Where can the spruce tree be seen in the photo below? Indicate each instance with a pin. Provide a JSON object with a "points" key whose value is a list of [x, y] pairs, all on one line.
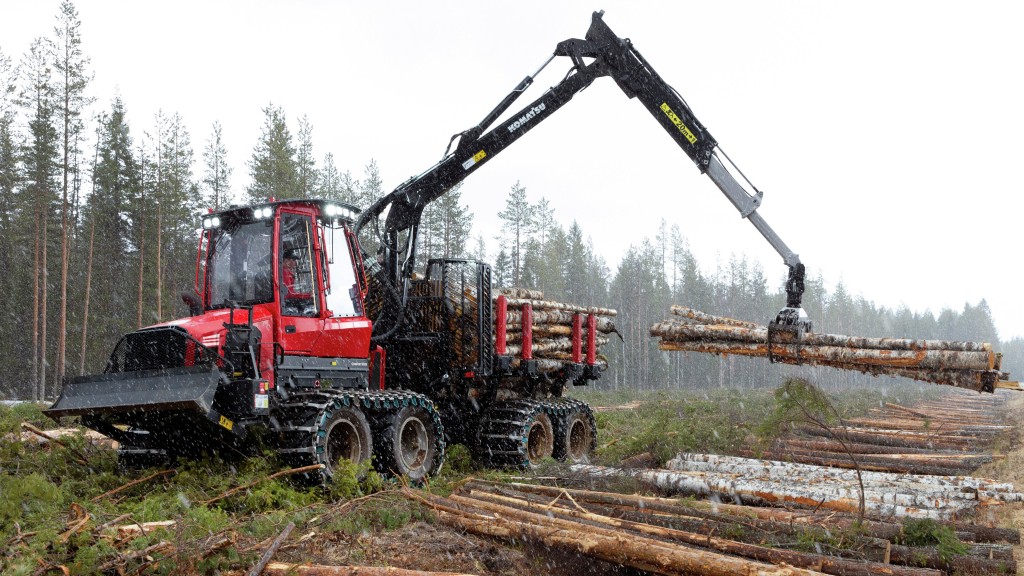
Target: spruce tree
{"points": [[273, 167], [11, 262], [72, 78], [217, 171], [305, 164], [117, 185]]}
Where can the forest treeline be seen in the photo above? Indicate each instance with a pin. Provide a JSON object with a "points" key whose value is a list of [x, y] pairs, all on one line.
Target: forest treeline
{"points": [[98, 230]]}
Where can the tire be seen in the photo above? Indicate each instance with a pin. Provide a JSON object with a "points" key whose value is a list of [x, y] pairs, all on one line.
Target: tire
{"points": [[540, 439], [409, 444], [575, 439], [342, 434]]}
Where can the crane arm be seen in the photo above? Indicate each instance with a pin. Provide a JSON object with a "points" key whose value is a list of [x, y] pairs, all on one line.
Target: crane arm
{"points": [[600, 53]]}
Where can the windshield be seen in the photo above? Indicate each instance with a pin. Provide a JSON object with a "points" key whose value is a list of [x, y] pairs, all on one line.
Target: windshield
{"points": [[239, 265]]}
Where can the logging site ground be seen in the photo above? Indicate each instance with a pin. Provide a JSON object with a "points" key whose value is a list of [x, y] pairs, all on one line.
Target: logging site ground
{"points": [[66, 508]]}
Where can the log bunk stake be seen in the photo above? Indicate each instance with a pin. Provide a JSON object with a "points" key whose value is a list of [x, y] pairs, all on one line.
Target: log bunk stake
{"points": [[550, 334]]}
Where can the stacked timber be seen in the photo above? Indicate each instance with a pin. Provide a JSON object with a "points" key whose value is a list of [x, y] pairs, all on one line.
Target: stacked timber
{"points": [[666, 536], [946, 436], [971, 365], [767, 482], [558, 332]]}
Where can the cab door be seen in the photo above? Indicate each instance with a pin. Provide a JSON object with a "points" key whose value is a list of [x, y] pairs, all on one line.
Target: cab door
{"points": [[298, 294]]}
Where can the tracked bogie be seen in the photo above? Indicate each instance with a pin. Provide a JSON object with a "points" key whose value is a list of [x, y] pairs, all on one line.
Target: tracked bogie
{"points": [[303, 434]]}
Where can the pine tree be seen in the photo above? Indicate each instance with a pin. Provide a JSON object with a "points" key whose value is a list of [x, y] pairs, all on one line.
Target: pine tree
{"points": [[480, 250], [40, 158], [305, 163], [178, 201], [72, 79], [455, 222], [217, 171], [273, 168], [329, 180], [371, 187], [516, 220]]}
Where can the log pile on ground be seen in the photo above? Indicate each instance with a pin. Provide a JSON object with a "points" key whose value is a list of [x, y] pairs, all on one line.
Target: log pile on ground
{"points": [[971, 365], [944, 437], [667, 536], [768, 482], [553, 325]]}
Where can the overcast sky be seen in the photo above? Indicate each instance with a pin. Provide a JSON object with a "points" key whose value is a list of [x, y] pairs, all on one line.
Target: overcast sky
{"points": [[885, 135]]}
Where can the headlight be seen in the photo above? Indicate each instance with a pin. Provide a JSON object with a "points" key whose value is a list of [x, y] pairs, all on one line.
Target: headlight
{"points": [[207, 223], [331, 210], [215, 221]]}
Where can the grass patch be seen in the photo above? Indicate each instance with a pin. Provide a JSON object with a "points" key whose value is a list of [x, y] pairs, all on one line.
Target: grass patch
{"points": [[43, 485]]}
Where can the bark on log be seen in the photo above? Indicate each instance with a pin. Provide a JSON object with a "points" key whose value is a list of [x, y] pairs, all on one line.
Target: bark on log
{"points": [[628, 549], [838, 460], [956, 485], [514, 320], [564, 306], [517, 292], [826, 564], [883, 438], [754, 343], [705, 318], [709, 509], [282, 569], [962, 378], [760, 493], [723, 328]]}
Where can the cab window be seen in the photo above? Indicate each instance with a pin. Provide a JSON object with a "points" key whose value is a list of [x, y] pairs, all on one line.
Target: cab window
{"points": [[343, 298], [298, 284]]}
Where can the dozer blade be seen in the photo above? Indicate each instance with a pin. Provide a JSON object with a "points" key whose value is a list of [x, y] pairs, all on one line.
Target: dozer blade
{"points": [[177, 389]]}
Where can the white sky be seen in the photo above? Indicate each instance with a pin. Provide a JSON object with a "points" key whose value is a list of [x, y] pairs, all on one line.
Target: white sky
{"points": [[886, 135]]}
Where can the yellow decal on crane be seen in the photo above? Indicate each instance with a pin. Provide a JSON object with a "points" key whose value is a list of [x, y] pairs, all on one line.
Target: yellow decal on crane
{"points": [[474, 160], [228, 424], [679, 123]]}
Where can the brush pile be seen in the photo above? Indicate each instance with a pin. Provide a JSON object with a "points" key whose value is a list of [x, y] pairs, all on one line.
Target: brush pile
{"points": [[555, 332], [971, 365]]}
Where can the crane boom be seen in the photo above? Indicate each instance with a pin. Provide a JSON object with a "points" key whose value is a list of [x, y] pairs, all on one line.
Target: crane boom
{"points": [[600, 53]]}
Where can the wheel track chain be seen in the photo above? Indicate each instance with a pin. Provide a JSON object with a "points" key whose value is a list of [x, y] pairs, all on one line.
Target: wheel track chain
{"points": [[503, 432], [302, 416], [559, 409]]}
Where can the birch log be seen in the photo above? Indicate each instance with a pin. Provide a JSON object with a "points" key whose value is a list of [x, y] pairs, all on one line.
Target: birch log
{"points": [[971, 365]]}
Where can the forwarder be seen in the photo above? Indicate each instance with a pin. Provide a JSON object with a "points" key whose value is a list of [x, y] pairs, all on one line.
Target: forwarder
{"points": [[305, 340]]}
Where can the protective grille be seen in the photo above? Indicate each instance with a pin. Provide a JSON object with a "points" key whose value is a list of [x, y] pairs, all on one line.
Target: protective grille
{"points": [[466, 310], [158, 349]]}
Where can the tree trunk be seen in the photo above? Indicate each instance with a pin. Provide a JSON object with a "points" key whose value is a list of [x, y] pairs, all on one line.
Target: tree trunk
{"points": [[159, 268], [142, 267], [42, 339], [88, 285], [35, 312]]}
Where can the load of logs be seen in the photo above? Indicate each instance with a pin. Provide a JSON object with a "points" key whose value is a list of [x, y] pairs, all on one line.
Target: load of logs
{"points": [[550, 333], [667, 536], [969, 365]]}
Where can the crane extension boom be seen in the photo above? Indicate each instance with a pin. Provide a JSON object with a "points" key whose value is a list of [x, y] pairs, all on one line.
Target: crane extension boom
{"points": [[608, 55]]}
